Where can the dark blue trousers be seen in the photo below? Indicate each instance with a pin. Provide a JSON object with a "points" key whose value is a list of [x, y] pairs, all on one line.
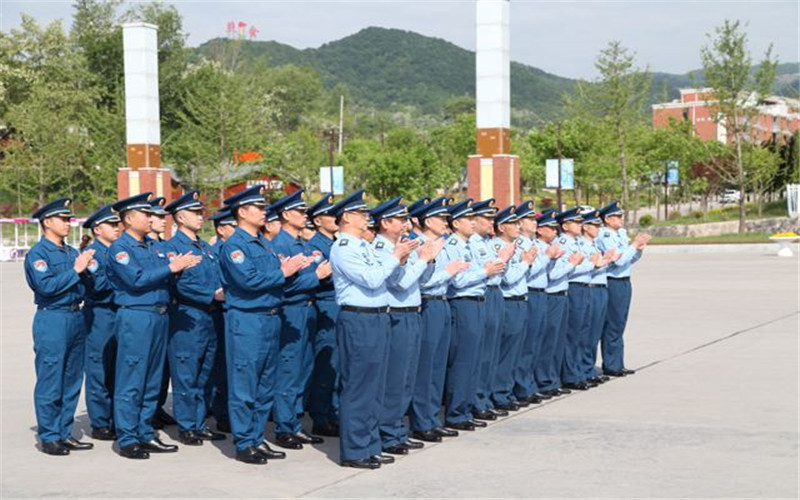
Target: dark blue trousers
{"points": [[59, 338], [468, 324], [191, 351], [489, 348], [512, 337], [323, 394], [363, 341], [524, 373], [619, 303], [432, 366], [217, 388], [252, 352], [548, 375], [141, 352], [101, 355], [401, 371], [296, 323], [599, 299], [578, 327]]}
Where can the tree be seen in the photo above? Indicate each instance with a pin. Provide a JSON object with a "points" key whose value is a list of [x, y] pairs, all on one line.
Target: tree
{"points": [[726, 64]]}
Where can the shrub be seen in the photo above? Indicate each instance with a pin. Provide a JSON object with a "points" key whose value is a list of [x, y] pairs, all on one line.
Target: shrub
{"points": [[696, 214], [674, 215], [646, 220]]}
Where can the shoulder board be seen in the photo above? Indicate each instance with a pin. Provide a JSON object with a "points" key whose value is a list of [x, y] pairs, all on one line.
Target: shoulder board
{"points": [[379, 245], [562, 240], [452, 242], [343, 243]]}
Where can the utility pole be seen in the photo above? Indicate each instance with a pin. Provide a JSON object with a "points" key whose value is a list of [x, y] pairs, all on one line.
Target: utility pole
{"points": [[558, 151], [331, 150], [666, 190], [341, 123]]}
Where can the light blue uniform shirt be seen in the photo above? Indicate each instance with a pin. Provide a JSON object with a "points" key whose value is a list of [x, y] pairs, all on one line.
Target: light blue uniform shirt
{"points": [[581, 272], [599, 274], [358, 276], [559, 271], [483, 251], [608, 239], [537, 273], [512, 280], [470, 283], [435, 279], [403, 283]]}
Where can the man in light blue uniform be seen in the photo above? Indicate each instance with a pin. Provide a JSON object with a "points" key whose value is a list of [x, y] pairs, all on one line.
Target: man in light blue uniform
{"points": [[466, 294], [140, 275], [559, 269], [613, 235], [580, 314], [196, 296], [391, 219], [413, 208], [525, 387], [101, 316], [217, 391], [298, 316], [514, 287], [598, 296], [323, 401], [362, 330], [482, 252], [58, 276], [252, 279], [426, 402]]}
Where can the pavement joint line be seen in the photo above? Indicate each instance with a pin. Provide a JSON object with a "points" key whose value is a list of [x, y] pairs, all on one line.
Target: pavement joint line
{"points": [[565, 396]]}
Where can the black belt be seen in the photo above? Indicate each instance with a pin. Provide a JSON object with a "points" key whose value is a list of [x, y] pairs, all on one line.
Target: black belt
{"points": [[414, 309], [620, 279], [517, 298], [308, 302], [158, 309], [557, 293], [198, 305], [110, 306], [367, 310], [434, 297], [595, 285], [259, 310], [493, 287], [69, 307], [540, 290], [470, 297]]}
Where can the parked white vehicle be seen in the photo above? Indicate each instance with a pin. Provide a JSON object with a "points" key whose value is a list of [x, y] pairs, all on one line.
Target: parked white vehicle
{"points": [[729, 196]]}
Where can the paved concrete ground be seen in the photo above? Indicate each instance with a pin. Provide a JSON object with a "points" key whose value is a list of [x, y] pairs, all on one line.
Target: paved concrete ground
{"points": [[712, 412]]}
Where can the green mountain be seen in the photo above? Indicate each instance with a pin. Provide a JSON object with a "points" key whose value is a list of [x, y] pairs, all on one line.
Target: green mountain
{"points": [[391, 69]]}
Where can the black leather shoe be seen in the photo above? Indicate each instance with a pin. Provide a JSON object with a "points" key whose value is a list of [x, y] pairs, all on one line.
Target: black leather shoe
{"points": [[563, 391], [189, 438], [628, 372], [522, 403], [447, 433], [612, 373], [478, 423], [484, 415], [413, 445], [364, 463], [56, 448], [155, 445], [544, 395], [591, 384], [428, 436], [508, 406], [209, 435], [577, 386], [134, 451], [269, 453], [251, 455], [307, 438], [224, 426], [162, 419], [396, 450], [288, 441], [596, 380], [104, 434], [499, 413], [532, 399], [382, 459], [463, 426], [328, 430], [75, 445]]}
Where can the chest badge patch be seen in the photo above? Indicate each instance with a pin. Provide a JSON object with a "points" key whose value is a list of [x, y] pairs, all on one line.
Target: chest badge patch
{"points": [[237, 256], [93, 265], [123, 258]]}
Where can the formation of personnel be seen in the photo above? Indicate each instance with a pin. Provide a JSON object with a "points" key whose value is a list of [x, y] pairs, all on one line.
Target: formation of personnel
{"points": [[391, 327]]}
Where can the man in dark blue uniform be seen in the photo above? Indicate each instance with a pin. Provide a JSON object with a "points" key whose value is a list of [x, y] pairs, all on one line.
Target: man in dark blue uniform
{"points": [[297, 317], [101, 312], [252, 278], [217, 389], [140, 277], [58, 276], [323, 401], [192, 346]]}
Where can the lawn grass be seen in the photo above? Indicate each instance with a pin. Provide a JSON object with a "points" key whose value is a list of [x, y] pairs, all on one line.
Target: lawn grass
{"points": [[729, 213], [707, 240]]}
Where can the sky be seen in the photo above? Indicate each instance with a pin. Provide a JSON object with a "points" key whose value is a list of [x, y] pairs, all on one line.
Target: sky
{"points": [[562, 37]]}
